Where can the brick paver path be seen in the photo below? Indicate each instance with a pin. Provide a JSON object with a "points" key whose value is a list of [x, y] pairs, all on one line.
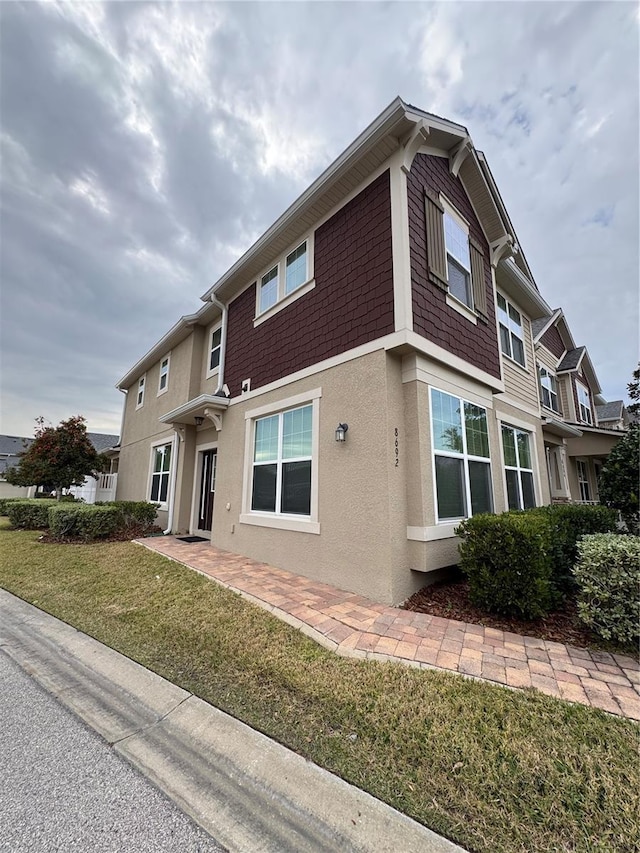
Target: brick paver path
{"points": [[355, 626]]}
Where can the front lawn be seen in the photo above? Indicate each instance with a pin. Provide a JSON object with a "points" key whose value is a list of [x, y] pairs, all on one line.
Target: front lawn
{"points": [[493, 769]]}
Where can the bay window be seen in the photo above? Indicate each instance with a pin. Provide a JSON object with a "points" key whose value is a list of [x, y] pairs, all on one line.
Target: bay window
{"points": [[461, 455], [518, 468]]}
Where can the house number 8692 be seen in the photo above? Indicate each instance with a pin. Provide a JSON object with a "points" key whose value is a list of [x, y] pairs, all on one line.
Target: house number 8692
{"points": [[396, 447]]}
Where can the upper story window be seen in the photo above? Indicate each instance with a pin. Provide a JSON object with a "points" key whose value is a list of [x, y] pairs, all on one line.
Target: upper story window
{"points": [[461, 457], [456, 238], [284, 278], [140, 395], [511, 332], [215, 342], [455, 260], [584, 403], [163, 380], [548, 389]]}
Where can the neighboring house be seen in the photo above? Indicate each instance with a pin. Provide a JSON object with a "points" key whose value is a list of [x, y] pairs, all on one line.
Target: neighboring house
{"points": [[102, 488], [361, 379], [579, 427]]}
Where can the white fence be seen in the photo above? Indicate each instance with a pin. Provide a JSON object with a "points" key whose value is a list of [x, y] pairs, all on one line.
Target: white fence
{"points": [[101, 489]]}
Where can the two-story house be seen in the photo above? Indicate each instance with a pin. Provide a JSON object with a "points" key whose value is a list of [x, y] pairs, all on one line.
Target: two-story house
{"points": [[579, 427], [360, 380]]}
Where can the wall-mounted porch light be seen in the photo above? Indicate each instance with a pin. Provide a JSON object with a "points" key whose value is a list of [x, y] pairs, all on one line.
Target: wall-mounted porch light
{"points": [[341, 431], [199, 420]]}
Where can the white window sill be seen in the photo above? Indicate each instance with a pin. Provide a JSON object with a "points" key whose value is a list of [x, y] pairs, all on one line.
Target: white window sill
{"points": [[163, 391], [445, 530], [461, 308], [288, 299], [159, 507], [552, 411], [214, 372], [281, 522]]}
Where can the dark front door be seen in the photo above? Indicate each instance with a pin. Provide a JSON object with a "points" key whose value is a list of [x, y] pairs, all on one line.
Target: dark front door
{"points": [[207, 488]]}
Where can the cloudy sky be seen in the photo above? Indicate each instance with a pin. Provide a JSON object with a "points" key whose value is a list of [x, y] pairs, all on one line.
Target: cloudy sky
{"points": [[145, 146]]}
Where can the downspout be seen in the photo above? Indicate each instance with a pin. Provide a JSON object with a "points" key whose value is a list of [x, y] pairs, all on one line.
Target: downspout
{"points": [[174, 476], [223, 340]]}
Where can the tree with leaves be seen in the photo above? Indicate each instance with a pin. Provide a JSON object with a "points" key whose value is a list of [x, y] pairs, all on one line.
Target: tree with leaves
{"points": [[58, 458], [619, 483]]}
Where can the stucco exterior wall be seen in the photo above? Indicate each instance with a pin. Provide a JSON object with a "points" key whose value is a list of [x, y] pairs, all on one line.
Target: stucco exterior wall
{"points": [[355, 547]]}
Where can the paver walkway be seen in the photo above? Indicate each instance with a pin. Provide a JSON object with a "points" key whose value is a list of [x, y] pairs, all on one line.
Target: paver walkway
{"points": [[355, 626]]}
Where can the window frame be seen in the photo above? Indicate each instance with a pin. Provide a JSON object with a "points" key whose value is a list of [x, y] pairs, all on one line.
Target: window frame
{"points": [[465, 456], [142, 384], [164, 442], [265, 518], [213, 371], [166, 359], [587, 407], [552, 390], [279, 265], [584, 484], [450, 211], [518, 468], [510, 330]]}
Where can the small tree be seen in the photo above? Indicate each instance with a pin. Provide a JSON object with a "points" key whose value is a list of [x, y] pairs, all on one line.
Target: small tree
{"points": [[619, 484], [58, 458]]}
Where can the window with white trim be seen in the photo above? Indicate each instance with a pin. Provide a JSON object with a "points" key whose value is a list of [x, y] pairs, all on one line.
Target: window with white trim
{"points": [[511, 332], [140, 394], [583, 480], [291, 272], [160, 473], [282, 463], [584, 403], [518, 468], [215, 343], [548, 389], [460, 441], [163, 380], [456, 239]]}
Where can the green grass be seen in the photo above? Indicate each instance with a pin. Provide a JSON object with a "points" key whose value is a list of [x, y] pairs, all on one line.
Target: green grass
{"points": [[493, 769]]}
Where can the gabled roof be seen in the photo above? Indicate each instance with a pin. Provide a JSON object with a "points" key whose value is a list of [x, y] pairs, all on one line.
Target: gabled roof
{"points": [[399, 126], [13, 446], [610, 411], [572, 359], [555, 318]]}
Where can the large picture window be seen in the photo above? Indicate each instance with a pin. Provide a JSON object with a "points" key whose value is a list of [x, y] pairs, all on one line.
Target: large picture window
{"points": [[518, 468], [461, 457], [282, 460], [160, 472]]}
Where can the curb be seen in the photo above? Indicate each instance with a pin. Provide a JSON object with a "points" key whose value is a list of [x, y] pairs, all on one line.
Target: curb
{"points": [[247, 791]]}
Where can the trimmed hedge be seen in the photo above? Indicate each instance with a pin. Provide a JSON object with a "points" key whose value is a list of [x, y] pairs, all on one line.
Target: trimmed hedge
{"points": [[567, 524], [608, 577], [5, 502], [96, 521], [30, 514], [506, 559]]}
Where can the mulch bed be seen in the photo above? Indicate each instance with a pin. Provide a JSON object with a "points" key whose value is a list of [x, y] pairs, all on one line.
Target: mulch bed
{"points": [[450, 600]]}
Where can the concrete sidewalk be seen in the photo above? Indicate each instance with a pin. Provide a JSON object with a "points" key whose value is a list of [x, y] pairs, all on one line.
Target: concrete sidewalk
{"points": [[355, 626], [248, 792]]}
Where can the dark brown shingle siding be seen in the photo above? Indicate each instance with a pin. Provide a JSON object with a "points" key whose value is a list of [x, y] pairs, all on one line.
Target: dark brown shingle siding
{"points": [[553, 342], [432, 317], [351, 304]]}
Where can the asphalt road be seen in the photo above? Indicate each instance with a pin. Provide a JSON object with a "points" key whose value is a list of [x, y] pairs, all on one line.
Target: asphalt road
{"points": [[62, 788]]}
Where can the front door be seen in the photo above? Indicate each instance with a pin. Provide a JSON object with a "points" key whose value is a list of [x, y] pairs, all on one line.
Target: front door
{"points": [[207, 489]]}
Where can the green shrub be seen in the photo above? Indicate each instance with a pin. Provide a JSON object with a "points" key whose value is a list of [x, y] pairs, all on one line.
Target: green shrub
{"points": [[567, 524], [85, 521], [30, 514], [137, 513], [506, 559], [5, 502], [608, 574]]}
